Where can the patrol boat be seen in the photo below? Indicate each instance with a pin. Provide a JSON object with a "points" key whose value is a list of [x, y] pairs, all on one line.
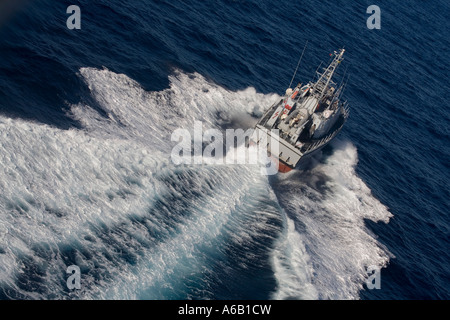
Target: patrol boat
{"points": [[305, 120]]}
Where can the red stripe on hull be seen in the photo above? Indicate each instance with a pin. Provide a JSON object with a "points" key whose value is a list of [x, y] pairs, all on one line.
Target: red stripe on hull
{"points": [[283, 168]]}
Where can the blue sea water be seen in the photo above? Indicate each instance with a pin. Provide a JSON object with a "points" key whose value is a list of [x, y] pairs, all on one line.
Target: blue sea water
{"points": [[86, 179]]}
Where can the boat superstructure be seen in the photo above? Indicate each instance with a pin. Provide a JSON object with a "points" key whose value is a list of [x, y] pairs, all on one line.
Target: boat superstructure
{"points": [[306, 119]]}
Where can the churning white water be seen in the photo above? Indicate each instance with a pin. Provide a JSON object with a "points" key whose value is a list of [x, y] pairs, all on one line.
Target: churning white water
{"points": [[108, 199]]}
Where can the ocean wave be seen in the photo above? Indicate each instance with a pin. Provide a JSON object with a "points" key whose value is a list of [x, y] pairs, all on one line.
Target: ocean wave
{"points": [[107, 198]]}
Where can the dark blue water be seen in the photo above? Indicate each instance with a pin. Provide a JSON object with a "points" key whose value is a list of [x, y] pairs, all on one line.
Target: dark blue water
{"points": [[86, 117]]}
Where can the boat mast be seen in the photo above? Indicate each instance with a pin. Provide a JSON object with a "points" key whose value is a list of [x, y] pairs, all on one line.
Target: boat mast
{"points": [[325, 78]]}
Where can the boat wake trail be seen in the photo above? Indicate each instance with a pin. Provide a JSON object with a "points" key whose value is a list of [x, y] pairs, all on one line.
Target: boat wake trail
{"points": [[325, 248], [108, 199]]}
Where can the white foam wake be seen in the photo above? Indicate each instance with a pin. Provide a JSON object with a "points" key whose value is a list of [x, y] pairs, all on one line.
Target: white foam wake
{"points": [[151, 117], [326, 242], [73, 193], [56, 183], [111, 187]]}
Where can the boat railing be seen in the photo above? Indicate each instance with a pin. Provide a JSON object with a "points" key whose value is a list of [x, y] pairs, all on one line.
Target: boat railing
{"points": [[327, 138], [268, 113]]}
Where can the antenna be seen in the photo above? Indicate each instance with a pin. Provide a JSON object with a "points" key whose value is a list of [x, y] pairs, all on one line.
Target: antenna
{"points": [[344, 86], [298, 64], [343, 77]]}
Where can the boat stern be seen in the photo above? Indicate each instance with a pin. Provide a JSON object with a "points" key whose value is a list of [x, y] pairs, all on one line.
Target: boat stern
{"points": [[282, 152]]}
